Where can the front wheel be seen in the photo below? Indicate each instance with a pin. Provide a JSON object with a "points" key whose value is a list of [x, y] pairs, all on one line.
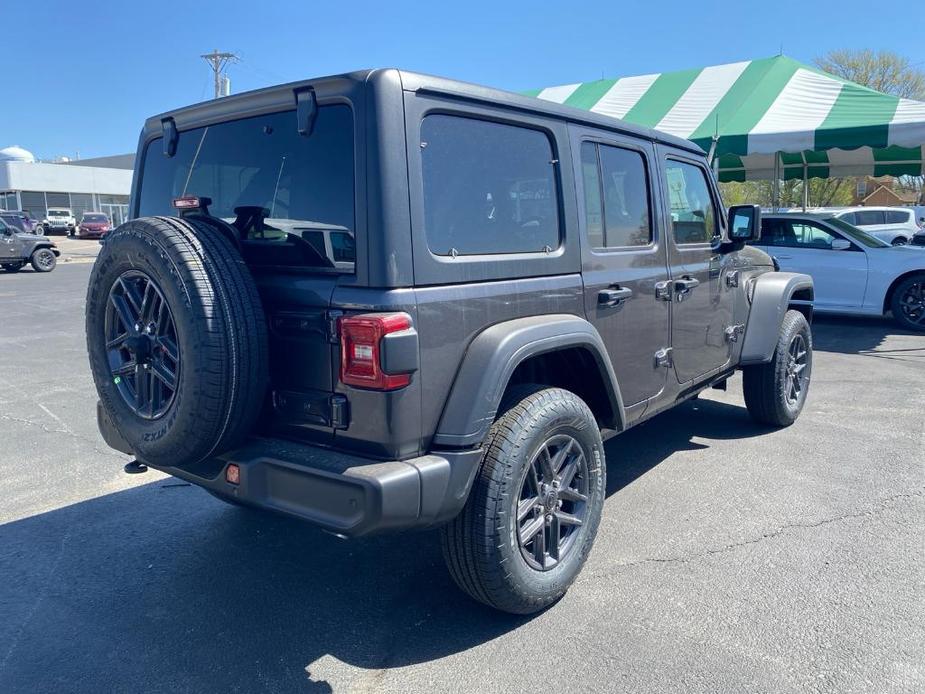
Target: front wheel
{"points": [[44, 260], [908, 303], [535, 505], [776, 392]]}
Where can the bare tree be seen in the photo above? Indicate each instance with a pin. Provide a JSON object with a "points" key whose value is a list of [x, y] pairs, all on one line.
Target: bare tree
{"points": [[884, 71]]}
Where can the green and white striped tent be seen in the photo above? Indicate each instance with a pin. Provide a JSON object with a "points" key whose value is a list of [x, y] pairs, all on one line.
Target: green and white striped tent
{"points": [[772, 118]]}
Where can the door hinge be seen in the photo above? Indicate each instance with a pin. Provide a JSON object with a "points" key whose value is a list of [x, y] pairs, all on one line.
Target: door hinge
{"points": [[333, 333], [733, 332], [663, 357], [663, 290]]}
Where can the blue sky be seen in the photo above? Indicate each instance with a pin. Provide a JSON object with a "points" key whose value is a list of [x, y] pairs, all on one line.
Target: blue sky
{"points": [[126, 60]]}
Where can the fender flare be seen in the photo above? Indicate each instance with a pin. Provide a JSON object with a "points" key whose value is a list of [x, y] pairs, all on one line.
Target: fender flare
{"points": [[771, 296], [490, 361]]}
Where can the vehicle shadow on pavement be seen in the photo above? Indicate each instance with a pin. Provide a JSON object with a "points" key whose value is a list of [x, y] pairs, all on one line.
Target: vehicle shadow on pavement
{"points": [[631, 455], [165, 586], [162, 588], [861, 335]]}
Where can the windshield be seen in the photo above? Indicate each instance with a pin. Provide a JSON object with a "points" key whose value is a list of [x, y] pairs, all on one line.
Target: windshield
{"points": [[855, 234], [95, 218], [278, 188], [58, 213]]}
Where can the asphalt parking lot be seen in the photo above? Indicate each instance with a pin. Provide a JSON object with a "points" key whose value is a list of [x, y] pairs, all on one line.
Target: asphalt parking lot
{"points": [[730, 557]]}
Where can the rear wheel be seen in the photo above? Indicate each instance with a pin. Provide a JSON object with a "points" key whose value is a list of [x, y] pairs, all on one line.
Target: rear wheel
{"points": [[177, 340], [899, 241], [908, 303], [535, 505], [776, 392], [44, 260]]}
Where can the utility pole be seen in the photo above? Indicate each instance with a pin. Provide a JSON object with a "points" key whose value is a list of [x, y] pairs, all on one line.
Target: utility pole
{"points": [[218, 61]]}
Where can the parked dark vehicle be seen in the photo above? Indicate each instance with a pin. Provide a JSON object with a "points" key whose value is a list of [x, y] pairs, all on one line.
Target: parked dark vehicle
{"points": [[93, 225], [512, 282], [18, 220], [18, 248]]}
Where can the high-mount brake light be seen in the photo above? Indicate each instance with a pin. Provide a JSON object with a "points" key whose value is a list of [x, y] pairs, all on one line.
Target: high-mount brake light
{"points": [[187, 203], [361, 350]]}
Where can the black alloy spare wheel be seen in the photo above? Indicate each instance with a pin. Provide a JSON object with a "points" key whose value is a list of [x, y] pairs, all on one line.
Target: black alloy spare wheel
{"points": [[177, 340], [141, 343]]}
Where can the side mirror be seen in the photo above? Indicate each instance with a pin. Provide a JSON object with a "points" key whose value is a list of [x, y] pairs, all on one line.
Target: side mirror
{"points": [[841, 244], [744, 223]]}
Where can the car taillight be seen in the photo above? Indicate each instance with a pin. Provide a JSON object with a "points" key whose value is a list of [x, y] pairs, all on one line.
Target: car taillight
{"points": [[361, 349]]}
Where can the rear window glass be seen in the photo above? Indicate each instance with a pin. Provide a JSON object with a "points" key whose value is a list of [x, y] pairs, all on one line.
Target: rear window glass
{"points": [[488, 187], [301, 187], [618, 177]]}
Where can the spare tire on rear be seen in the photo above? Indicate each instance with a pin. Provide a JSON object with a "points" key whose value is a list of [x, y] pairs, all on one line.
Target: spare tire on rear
{"points": [[177, 339]]}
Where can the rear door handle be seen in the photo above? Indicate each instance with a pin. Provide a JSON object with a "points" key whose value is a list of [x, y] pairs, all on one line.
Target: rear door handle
{"points": [[613, 296], [685, 284]]}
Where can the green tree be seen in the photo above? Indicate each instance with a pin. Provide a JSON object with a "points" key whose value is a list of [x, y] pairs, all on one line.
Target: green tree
{"points": [[884, 71]]}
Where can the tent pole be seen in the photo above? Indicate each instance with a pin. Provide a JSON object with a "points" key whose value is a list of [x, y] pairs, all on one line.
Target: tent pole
{"points": [[805, 182], [775, 190]]}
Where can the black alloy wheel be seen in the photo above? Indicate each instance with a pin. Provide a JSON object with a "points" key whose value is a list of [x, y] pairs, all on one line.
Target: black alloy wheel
{"points": [[141, 345], [44, 260], [553, 502], [912, 302], [796, 368]]}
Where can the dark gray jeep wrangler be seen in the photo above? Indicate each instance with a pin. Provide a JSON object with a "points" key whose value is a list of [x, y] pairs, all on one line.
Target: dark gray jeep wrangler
{"points": [[18, 248], [383, 300]]}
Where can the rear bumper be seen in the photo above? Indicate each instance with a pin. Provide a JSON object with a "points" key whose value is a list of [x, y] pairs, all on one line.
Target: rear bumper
{"points": [[346, 494]]}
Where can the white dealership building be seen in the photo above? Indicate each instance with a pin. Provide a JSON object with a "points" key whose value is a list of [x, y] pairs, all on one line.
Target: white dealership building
{"points": [[86, 185]]}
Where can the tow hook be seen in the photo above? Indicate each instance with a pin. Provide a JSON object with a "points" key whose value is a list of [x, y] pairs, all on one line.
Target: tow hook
{"points": [[135, 468]]}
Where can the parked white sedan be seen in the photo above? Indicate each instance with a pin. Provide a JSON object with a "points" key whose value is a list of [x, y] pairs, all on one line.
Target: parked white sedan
{"points": [[853, 272]]}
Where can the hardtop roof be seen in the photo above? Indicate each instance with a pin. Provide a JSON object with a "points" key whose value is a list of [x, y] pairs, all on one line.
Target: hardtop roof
{"points": [[419, 82]]}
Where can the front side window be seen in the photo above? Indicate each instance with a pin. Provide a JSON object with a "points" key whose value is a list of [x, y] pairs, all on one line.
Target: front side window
{"points": [[616, 196], [282, 191], [693, 217], [488, 187], [795, 234]]}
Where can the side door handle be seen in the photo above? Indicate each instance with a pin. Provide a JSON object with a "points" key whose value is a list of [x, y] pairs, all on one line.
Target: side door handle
{"points": [[784, 257], [683, 286], [613, 296]]}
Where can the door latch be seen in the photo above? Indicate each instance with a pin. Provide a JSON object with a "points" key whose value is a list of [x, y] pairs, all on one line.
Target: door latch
{"points": [[663, 290], [663, 357], [732, 278]]}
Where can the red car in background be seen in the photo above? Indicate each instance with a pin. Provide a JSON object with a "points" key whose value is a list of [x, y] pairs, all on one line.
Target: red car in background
{"points": [[93, 225]]}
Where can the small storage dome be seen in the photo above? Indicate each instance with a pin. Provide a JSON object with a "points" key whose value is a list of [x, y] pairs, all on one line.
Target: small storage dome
{"points": [[16, 153]]}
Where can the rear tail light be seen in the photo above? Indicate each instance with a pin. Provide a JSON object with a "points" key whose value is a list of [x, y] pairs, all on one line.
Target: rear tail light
{"points": [[361, 350]]}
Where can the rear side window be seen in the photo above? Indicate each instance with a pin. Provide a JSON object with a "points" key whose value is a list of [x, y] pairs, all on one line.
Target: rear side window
{"points": [[305, 184], [897, 217], [488, 187], [616, 196], [693, 217], [868, 217]]}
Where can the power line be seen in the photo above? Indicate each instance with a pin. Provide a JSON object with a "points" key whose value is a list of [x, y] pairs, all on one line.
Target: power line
{"points": [[218, 61]]}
